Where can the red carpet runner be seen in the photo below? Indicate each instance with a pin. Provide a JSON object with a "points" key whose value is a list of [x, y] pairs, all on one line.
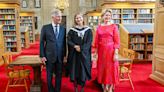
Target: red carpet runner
{"points": [[140, 77]]}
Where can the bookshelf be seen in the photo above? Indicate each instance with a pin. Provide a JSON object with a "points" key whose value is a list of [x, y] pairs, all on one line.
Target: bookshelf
{"points": [[125, 16], [1, 44], [93, 18], [9, 18], [25, 41], [27, 19], [138, 37], [129, 12]]}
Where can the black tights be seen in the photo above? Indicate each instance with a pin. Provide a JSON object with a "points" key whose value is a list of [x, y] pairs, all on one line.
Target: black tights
{"points": [[78, 82]]}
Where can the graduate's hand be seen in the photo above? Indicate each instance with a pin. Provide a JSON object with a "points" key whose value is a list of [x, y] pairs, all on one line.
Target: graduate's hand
{"points": [[43, 59], [77, 47]]}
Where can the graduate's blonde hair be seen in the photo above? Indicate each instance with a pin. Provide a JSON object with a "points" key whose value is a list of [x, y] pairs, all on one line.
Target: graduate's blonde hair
{"points": [[75, 18]]}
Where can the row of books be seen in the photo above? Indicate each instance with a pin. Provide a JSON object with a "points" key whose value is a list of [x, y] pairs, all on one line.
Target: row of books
{"points": [[129, 21], [150, 38], [92, 24], [114, 11], [30, 28], [137, 46], [25, 17], [128, 16], [131, 11], [140, 56], [10, 39], [11, 44], [22, 45], [145, 16], [145, 11], [31, 38], [7, 10], [26, 24], [137, 39], [8, 22], [26, 21], [149, 56], [150, 47], [116, 16], [7, 16], [22, 36], [22, 40], [94, 17], [95, 20], [11, 49], [145, 21], [9, 33], [7, 27], [116, 21]]}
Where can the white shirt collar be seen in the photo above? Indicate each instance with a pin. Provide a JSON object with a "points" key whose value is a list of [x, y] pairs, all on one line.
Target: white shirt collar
{"points": [[53, 24]]}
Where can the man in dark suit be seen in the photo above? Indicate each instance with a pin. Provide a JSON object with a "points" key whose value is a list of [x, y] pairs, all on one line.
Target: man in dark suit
{"points": [[53, 49]]}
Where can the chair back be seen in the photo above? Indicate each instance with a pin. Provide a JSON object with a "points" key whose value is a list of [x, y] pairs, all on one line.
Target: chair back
{"points": [[7, 58], [128, 53]]}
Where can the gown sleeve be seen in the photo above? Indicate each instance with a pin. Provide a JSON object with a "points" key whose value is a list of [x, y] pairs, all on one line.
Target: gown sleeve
{"points": [[116, 37]]}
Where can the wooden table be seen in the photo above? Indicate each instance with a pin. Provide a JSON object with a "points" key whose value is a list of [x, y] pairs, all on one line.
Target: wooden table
{"points": [[35, 63]]}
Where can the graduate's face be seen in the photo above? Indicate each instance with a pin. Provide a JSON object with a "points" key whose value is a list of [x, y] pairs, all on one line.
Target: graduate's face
{"points": [[107, 16], [79, 19], [57, 18]]}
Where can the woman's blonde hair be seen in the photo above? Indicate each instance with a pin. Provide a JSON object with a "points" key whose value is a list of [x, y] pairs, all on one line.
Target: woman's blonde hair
{"points": [[105, 11]]}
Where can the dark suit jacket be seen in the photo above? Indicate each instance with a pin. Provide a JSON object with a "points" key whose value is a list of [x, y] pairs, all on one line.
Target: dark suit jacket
{"points": [[50, 47]]}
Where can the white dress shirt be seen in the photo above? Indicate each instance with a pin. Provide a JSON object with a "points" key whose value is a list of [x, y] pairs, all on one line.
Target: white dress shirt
{"points": [[55, 26]]}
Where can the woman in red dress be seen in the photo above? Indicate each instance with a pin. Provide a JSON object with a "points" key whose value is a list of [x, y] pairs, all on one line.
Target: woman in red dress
{"points": [[107, 42]]}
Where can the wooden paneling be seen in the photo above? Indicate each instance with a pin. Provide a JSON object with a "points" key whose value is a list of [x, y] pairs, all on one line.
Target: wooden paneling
{"points": [[158, 52], [1, 44]]}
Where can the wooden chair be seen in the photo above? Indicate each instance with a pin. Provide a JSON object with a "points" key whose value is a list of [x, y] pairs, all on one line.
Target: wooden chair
{"points": [[16, 74], [126, 68]]}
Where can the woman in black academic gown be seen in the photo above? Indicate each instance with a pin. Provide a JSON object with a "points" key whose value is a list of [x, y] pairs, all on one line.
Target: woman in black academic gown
{"points": [[79, 53]]}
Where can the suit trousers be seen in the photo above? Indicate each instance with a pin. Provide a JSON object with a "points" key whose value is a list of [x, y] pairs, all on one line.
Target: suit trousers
{"points": [[57, 69]]}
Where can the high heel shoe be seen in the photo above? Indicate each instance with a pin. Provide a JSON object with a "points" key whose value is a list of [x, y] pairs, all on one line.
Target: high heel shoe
{"points": [[110, 89], [76, 89], [82, 89]]}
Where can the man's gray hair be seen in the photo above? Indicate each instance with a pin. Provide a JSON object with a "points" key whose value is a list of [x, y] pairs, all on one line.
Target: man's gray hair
{"points": [[55, 12]]}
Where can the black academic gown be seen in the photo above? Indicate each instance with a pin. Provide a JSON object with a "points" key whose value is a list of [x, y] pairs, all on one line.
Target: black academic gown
{"points": [[79, 63]]}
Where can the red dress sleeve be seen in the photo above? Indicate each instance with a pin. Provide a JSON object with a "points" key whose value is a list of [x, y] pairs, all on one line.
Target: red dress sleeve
{"points": [[116, 37]]}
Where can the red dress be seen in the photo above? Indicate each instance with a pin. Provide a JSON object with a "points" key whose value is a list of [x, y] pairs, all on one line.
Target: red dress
{"points": [[106, 41]]}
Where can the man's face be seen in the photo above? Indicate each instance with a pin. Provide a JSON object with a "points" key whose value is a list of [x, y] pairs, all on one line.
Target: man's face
{"points": [[57, 18]]}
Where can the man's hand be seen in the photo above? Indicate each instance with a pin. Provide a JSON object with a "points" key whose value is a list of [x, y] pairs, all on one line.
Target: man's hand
{"points": [[43, 59], [65, 59]]}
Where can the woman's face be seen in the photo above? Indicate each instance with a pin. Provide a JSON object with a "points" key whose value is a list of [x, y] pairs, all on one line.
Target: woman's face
{"points": [[107, 16], [79, 19]]}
